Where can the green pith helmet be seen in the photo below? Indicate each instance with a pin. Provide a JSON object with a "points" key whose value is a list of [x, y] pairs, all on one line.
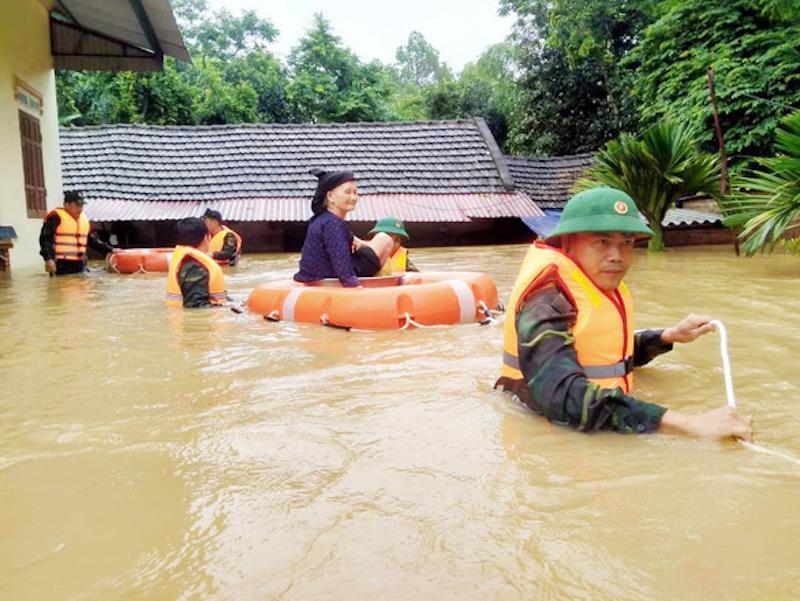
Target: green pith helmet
{"points": [[600, 210], [390, 225]]}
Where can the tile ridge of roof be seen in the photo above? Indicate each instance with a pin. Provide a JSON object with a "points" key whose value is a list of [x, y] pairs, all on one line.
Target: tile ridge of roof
{"points": [[498, 158]]}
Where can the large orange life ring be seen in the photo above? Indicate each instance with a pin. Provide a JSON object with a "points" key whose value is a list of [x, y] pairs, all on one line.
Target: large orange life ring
{"points": [[139, 260], [385, 303]]}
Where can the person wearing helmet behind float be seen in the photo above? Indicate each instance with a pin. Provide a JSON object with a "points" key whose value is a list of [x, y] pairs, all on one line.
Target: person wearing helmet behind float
{"points": [[225, 245], [398, 261], [330, 250], [569, 348], [194, 279]]}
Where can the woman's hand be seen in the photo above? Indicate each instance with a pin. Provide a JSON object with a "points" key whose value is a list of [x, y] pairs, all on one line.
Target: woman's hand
{"points": [[357, 243], [688, 329]]}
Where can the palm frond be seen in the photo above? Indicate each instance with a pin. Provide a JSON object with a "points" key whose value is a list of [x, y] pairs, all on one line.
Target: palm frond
{"points": [[766, 202]]}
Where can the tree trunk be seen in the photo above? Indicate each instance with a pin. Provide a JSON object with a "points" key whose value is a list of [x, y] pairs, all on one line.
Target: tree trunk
{"points": [[656, 243]]}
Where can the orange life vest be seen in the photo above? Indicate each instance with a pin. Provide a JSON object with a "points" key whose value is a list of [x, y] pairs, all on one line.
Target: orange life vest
{"points": [[216, 280], [218, 241], [603, 332], [72, 236], [397, 263]]}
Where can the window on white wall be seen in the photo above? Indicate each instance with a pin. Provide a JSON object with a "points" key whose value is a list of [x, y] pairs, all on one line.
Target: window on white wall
{"points": [[35, 191]]}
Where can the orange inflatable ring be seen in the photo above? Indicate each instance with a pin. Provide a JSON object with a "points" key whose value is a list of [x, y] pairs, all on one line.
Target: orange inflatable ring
{"points": [[385, 303], [139, 260]]}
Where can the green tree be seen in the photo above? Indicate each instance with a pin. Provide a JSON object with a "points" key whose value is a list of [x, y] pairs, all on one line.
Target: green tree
{"points": [[573, 95], [232, 79], [418, 63], [217, 102], [752, 46], [329, 83], [489, 89], [767, 200], [560, 109], [268, 78], [221, 34], [655, 171]]}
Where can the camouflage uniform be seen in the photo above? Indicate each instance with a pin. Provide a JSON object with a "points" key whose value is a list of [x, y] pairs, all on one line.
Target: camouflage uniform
{"points": [[555, 385]]}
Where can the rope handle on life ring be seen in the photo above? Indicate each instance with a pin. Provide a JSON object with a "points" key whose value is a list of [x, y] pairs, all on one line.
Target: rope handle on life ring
{"points": [[491, 315], [111, 263], [273, 316], [325, 320]]}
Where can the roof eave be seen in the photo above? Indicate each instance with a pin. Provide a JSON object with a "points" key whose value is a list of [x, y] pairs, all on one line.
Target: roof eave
{"points": [[76, 46]]}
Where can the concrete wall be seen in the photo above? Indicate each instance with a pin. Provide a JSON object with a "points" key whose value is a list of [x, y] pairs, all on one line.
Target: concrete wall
{"points": [[699, 236], [25, 54]]}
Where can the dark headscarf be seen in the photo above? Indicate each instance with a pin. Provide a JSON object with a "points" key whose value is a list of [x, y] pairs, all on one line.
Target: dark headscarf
{"points": [[328, 180]]}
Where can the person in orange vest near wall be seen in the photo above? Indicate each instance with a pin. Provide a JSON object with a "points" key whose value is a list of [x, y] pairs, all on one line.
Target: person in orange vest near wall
{"points": [[194, 279], [569, 348], [65, 235], [398, 260], [225, 245]]}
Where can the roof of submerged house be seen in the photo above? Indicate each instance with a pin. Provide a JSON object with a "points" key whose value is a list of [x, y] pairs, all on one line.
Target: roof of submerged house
{"points": [[423, 171], [548, 182]]}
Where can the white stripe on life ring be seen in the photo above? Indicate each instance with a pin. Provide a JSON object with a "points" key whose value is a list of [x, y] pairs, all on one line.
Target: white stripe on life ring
{"points": [[289, 302], [466, 300]]}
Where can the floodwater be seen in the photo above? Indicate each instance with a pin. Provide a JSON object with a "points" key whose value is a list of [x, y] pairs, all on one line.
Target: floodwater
{"points": [[152, 453]]}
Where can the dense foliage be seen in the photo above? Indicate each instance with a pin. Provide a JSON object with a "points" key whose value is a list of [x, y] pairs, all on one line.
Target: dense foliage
{"points": [[753, 48], [573, 96], [766, 203]]}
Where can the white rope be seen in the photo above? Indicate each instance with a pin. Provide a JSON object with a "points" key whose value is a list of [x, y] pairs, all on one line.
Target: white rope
{"points": [[492, 315], [410, 322], [726, 362], [726, 367], [112, 262]]}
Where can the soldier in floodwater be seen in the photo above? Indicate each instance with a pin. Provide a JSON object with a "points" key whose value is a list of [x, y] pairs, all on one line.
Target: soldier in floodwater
{"points": [[569, 345]]}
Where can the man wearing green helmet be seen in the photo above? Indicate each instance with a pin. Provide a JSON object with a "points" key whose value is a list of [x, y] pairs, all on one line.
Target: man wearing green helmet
{"points": [[398, 259], [569, 347]]}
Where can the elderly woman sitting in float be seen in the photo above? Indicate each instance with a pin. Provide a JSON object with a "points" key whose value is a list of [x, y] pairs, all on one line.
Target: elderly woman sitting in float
{"points": [[327, 289], [330, 250]]}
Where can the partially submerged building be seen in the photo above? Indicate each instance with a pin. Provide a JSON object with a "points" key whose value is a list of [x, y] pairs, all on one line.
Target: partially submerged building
{"points": [[447, 180], [36, 37]]}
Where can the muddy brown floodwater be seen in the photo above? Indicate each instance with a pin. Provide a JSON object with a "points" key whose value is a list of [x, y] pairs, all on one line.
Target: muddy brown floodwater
{"points": [[150, 453]]}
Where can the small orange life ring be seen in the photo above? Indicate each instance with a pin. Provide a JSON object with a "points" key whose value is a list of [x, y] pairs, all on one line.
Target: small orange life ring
{"points": [[385, 303], [139, 260]]}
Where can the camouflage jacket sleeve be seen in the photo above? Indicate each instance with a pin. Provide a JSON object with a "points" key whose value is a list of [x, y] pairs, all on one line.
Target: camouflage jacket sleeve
{"points": [[228, 251], [193, 280], [558, 388]]}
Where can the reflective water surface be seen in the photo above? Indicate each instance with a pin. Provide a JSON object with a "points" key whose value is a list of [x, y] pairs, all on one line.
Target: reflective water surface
{"points": [[150, 453]]}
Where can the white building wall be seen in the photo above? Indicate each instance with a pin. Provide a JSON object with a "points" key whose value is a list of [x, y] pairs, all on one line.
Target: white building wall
{"points": [[25, 54]]}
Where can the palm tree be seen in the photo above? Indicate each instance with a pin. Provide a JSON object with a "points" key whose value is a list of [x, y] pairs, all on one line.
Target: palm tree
{"points": [[655, 171], [767, 201]]}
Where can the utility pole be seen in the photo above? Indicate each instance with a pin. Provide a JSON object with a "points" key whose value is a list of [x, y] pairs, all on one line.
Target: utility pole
{"points": [[723, 154]]}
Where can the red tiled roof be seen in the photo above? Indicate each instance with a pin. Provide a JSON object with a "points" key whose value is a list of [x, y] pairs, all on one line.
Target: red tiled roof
{"points": [[407, 207]]}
